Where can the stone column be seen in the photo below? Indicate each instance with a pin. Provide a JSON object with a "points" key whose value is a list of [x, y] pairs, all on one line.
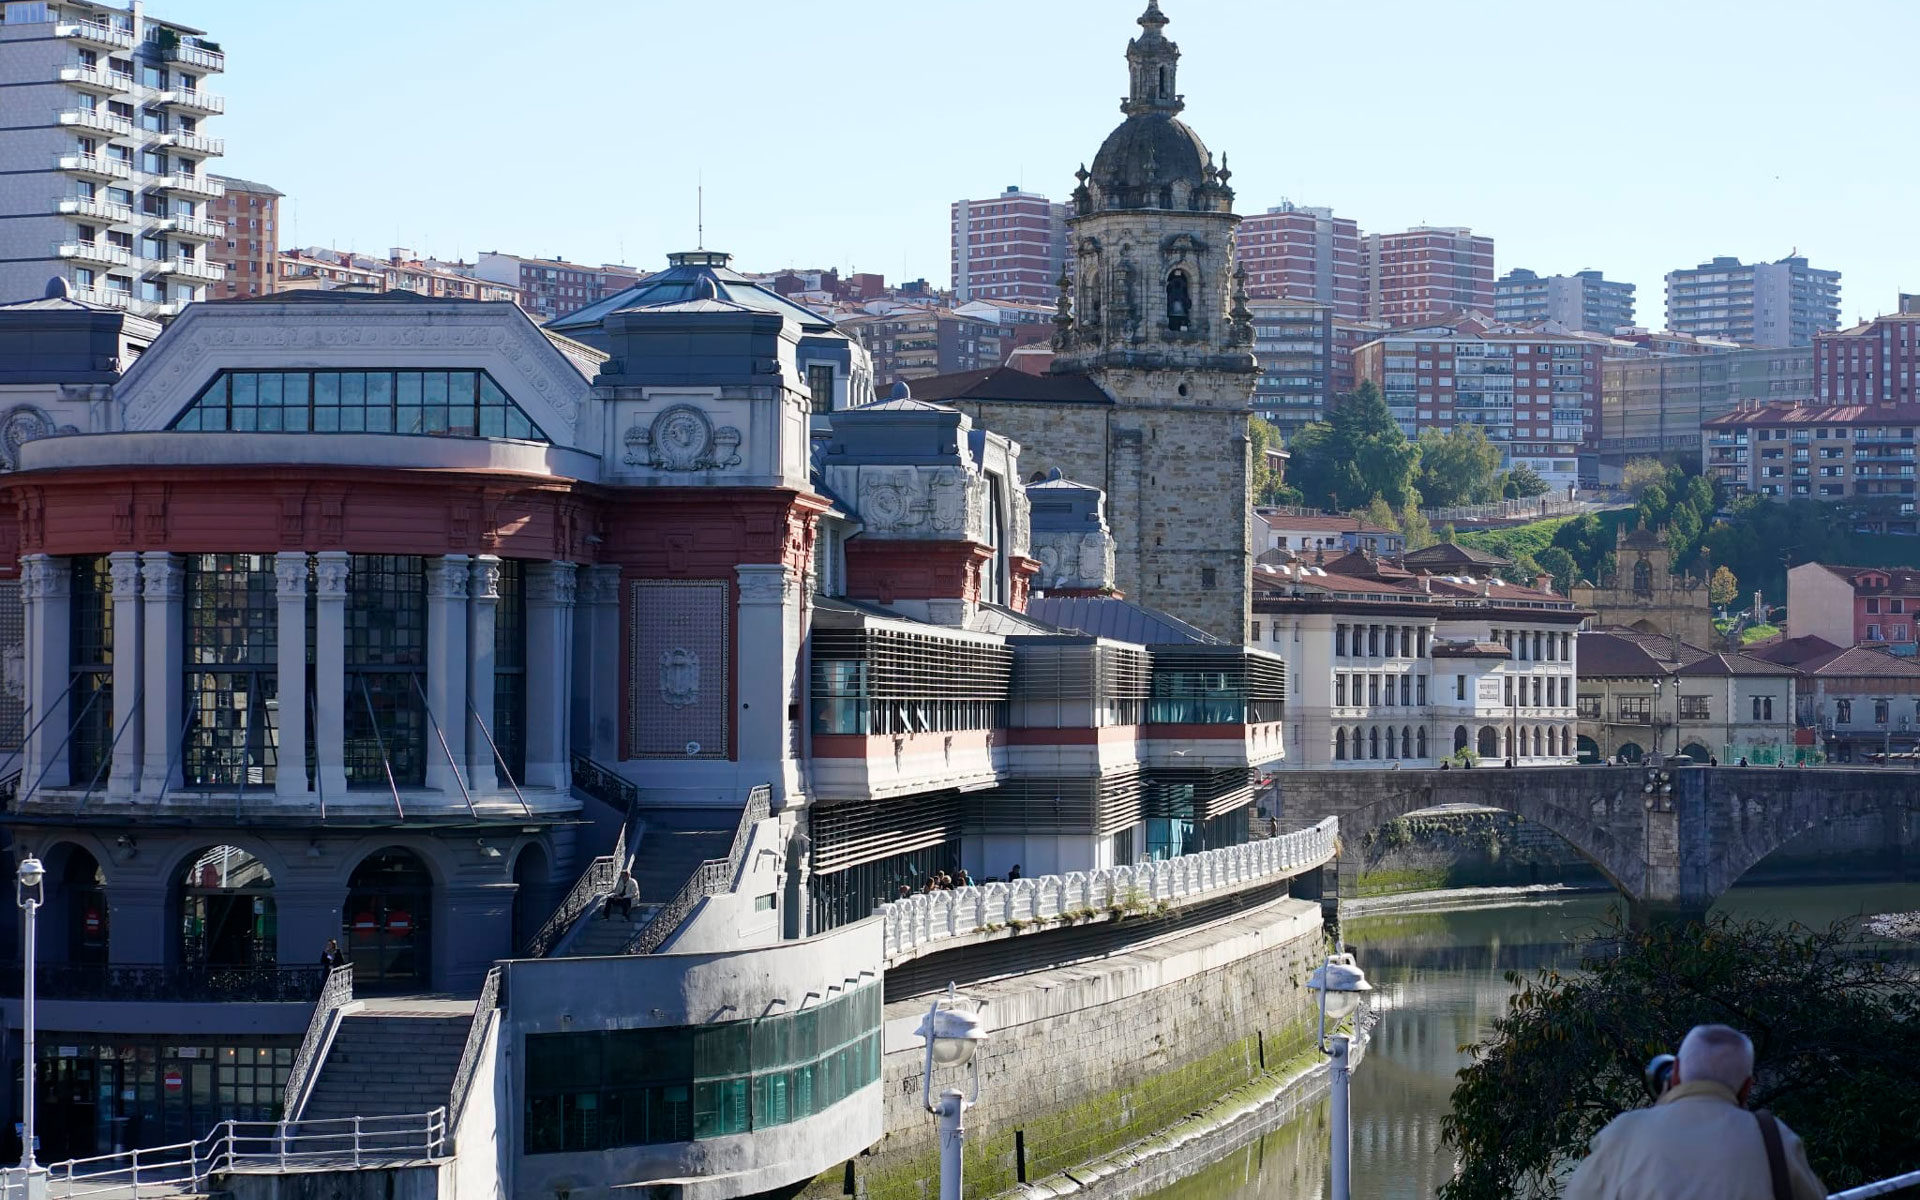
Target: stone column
{"points": [[46, 594], [483, 603], [124, 780], [597, 653], [447, 671], [550, 594], [766, 656], [330, 570], [290, 763], [138, 929], [164, 652]]}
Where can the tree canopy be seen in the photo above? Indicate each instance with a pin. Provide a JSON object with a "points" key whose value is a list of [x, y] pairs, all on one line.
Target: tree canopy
{"points": [[1356, 454], [1457, 467], [1265, 482], [1836, 1034]]}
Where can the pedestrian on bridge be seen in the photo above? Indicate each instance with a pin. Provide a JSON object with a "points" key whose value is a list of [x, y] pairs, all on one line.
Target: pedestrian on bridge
{"points": [[1697, 1141]]}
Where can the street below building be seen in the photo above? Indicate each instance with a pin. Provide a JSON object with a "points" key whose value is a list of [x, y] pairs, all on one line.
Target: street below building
{"points": [[1440, 980]]}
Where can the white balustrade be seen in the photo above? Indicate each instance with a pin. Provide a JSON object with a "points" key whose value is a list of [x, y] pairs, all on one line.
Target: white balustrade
{"points": [[916, 922]]}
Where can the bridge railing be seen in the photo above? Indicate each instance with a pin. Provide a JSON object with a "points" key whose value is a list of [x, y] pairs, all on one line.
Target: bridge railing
{"points": [[916, 923]]}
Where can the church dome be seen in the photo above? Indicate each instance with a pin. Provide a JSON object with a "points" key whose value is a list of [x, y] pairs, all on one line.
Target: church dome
{"points": [[1152, 150], [1153, 160]]}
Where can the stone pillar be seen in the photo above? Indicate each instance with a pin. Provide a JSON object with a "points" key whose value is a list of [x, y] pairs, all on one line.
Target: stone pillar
{"points": [[483, 603], [290, 762], [138, 929], [307, 911], [330, 570], [767, 655], [596, 666], [550, 594], [124, 779], [447, 671], [164, 653], [46, 594]]}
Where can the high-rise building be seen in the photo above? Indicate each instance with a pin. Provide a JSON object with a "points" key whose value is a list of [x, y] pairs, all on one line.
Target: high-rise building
{"points": [[553, 287], [250, 213], [1821, 452], [1297, 253], [1656, 391], [1012, 247], [1583, 300], [106, 156], [1766, 304], [1875, 362], [1424, 274], [1293, 343]]}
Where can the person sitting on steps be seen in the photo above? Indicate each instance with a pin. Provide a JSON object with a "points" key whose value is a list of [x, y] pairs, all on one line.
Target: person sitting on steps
{"points": [[625, 891]]}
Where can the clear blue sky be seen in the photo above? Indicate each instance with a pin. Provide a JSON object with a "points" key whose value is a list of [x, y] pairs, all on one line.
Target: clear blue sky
{"points": [[1633, 137]]}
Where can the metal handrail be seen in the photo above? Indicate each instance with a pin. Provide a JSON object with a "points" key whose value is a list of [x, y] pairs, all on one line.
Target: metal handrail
{"points": [[470, 1055], [710, 878], [334, 994], [452, 765], [596, 881], [380, 744], [499, 759], [1899, 1183], [184, 1167]]}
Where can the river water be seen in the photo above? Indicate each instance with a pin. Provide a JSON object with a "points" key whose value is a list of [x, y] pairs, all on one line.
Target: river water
{"points": [[1440, 982]]}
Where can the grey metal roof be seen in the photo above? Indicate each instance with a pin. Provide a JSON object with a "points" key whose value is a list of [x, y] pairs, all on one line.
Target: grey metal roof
{"points": [[1120, 620]]}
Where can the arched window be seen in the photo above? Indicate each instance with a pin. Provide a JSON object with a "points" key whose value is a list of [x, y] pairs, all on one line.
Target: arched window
{"points": [[1460, 741], [1489, 742], [1163, 83], [1420, 742], [1642, 578], [1406, 742], [1179, 301], [387, 921], [226, 909], [1373, 742], [1553, 741], [1537, 741], [1340, 744], [1566, 739]]}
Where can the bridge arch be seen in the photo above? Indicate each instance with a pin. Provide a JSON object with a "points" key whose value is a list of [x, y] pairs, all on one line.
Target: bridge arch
{"points": [[1749, 823]]}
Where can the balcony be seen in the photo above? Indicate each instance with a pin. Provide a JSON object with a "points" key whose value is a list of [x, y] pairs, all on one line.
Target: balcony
{"points": [[199, 269], [196, 143], [99, 210], [194, 100], [93, 166], [195, 227], [193, 185], [104, 297], [98, 80], [193, 56], [147, 984], [95, 33], [94, 254], [99, 120]]}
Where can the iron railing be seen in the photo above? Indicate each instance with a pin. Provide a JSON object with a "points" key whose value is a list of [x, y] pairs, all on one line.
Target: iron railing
{"points": [[476, 1041], [337, 992], [142, 982], [710, 878], [596, 881], [604, 785], [185, 1168]]}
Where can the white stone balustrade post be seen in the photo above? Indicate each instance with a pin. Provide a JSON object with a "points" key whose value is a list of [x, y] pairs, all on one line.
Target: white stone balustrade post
{"points": [[124, 780], [290, 681]]}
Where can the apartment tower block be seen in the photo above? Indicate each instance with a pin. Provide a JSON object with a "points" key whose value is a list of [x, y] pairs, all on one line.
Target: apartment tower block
{"points": [[1012, 247]]}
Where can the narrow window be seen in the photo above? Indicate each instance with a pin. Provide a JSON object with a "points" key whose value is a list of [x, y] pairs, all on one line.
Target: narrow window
{"points": [[1179, 301]]}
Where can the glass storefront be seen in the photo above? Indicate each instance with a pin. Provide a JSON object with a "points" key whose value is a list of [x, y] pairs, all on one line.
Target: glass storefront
{"points": [[99, 1096], [386, 925], [227, 913]]}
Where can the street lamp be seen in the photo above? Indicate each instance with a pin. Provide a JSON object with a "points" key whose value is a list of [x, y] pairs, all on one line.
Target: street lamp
{"points": [[1658, 788], [952, 1035], [1341, 984], [28, 893]]}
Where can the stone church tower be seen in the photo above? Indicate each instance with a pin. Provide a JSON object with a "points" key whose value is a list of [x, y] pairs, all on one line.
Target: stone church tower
{"points": [[1150, 392]]}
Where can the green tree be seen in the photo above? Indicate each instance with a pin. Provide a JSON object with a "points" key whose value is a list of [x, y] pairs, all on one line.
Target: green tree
{"points": [[1378, 514], [1836, 1036], [1723, 588], [1642, 473], [1263, 436], [1457, 467], [1415, 528], [1558, 563], [1525, 482], [1356, 454]]}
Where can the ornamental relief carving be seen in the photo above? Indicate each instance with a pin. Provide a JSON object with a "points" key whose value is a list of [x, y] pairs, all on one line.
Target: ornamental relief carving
{"points": [[937, 502], [25, 423], [682, 438], [679, 677]]}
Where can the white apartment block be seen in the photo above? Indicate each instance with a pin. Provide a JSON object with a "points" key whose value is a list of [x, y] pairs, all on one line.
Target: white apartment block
{"points": [[105, 155], [1390, 668]]}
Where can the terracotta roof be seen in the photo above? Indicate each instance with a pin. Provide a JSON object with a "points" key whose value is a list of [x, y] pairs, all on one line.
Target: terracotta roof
{"points": [[1661, 646], [1794, 652], [1733, 664], [1817, 414], [1323, 523], [1903, 580], [1862, 661], [1601, 654], [1005, 383]]}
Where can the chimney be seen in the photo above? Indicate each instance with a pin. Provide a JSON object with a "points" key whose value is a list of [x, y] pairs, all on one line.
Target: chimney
{"points": [[1544, 583]]}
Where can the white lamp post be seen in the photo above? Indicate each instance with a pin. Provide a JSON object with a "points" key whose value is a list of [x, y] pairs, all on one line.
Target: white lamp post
{"points": [[952, 1035], [1341, 983], [28, 895]]}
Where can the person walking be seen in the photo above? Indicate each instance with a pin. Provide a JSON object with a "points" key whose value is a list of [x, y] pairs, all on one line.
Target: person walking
{"points": [[626, 890], [1697, 1141]]}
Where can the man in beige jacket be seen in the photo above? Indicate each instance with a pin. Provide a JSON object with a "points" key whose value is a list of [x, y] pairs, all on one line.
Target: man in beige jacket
{"points": [[1698, 1141]]}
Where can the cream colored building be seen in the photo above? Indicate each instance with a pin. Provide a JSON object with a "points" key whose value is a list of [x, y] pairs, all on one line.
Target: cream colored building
{"points": [[1641, 694]]}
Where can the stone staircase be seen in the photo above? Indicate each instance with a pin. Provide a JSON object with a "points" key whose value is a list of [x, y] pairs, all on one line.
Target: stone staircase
{"points": [[391, 1058], [672, 843]]}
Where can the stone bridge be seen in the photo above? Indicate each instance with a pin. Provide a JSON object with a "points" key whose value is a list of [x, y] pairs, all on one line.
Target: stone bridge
{"points": [[1675, 849]]}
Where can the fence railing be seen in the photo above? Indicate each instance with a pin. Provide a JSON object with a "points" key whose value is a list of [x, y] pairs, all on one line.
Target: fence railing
{"points": [[337, 992], [185, 1168], [476, 1041], [603, 785], [710, 878], [917, 921], [596, 881], [153, 982]]}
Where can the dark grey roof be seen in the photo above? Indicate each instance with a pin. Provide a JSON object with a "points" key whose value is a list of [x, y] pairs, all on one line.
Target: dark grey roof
{"points": [[1005, 383], [691, 275], [1151, 150], [236, 184], [1120, 620], [1443, 553]]}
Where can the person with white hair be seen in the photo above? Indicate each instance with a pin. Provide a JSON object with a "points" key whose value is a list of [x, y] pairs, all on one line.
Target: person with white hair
{"points": [[1697, 1141]]}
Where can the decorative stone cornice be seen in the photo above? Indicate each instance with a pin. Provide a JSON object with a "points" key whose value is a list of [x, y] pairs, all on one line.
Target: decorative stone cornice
{"points": [[290, 575], [447, 577], [484, 581], [764, 584], [330, 571], [599, 585], [162, 576], [552, 583], [123, 567]]}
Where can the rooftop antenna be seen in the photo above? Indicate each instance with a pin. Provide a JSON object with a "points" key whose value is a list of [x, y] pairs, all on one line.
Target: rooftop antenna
{"points": [[700, 212]]}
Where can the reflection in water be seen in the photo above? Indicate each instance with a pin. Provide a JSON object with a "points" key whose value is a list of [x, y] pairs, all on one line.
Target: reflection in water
{"points": [[1440, 981]]}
